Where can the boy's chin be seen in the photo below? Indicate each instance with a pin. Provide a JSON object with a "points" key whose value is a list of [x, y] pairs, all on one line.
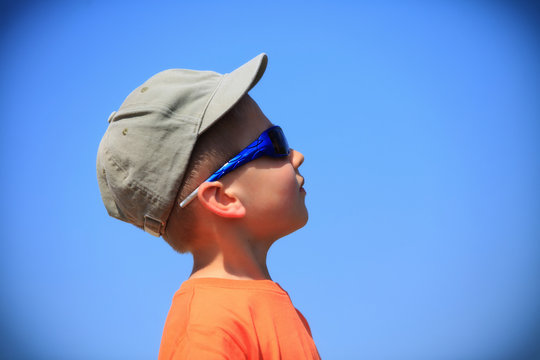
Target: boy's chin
{"points": [[300, 223], [306, 218]]}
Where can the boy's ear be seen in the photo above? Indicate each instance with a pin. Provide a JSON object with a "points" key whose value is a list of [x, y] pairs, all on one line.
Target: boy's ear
{"points": [[213, 197]]}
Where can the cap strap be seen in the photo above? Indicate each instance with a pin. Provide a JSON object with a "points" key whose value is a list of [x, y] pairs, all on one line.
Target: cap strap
{"points": [[153, 226]]}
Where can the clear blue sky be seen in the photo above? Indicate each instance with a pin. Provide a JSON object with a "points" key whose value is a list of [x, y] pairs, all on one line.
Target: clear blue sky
{"points": [[419, 121]]}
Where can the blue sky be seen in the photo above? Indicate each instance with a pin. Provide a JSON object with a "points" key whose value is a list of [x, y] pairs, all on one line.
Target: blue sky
{"points": [[419, 121]]}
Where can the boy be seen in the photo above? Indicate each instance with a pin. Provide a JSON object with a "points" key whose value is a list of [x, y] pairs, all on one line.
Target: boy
{"points": [[156, 169]]}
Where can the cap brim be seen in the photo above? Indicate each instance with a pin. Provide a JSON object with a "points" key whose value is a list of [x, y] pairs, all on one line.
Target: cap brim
{"points": [[231, 89]]}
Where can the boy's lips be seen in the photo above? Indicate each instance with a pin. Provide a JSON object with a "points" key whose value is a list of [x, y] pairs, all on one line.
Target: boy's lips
{"points": [[302, 185]]}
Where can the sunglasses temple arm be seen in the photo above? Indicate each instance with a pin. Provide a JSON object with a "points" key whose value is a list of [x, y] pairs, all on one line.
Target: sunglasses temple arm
{"points": [[232, 164], [190, 198]]}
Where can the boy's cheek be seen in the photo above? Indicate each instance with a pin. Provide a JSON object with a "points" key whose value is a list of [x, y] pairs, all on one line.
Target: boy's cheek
{"points": [[270, 188]]}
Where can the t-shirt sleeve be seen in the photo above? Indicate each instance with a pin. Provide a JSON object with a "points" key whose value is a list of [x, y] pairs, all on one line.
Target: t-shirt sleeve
{"points": [[209, 344]]}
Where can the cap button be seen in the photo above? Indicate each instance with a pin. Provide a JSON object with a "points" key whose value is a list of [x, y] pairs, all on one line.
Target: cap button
{"points": [[111, 116]]}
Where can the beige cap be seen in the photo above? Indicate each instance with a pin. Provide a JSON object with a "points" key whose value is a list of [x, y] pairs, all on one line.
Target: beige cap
{"points": [[144, 153]]}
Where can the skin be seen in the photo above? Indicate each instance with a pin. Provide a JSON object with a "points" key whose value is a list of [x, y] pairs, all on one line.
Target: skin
{"points": [[247, 210]]}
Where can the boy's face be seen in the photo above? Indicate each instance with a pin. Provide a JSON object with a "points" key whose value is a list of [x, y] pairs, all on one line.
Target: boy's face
{"points": [[269, 188]]}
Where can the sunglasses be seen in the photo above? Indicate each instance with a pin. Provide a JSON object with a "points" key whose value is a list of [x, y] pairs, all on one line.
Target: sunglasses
{"points": [[271, 142]]}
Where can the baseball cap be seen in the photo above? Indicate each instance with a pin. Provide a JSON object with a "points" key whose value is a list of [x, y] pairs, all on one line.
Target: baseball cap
{"points": [[143, 156]]}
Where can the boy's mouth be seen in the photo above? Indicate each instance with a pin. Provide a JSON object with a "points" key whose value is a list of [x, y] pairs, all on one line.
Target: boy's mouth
{"points": [[302, 185]]}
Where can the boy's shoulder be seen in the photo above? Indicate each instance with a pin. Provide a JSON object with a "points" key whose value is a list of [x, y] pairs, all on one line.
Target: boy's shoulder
{"points": [[219, 314], [204, 296], [234, 306], [235, 316]]}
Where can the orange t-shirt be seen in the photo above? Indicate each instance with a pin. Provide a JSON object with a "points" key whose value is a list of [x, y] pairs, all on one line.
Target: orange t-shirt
{"points": [[235, 319]]}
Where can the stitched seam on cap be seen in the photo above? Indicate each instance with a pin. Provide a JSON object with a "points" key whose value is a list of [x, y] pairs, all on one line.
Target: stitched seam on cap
{"points": [[210, 100], [133, 183], [149, 108]]}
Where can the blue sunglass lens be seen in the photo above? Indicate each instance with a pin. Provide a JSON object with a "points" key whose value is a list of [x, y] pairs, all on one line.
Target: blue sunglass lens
{"points": [[276, 136]]}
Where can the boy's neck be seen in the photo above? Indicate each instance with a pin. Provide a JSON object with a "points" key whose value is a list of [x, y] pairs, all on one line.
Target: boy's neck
{"points": [[231, 257]]}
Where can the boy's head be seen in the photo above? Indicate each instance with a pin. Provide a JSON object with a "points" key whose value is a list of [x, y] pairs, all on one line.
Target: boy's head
{"points": [[264, 197], [166, 139]]}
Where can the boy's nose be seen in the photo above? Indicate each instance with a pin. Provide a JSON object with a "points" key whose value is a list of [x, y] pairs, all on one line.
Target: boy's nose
{"points": [[297, 158]]}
